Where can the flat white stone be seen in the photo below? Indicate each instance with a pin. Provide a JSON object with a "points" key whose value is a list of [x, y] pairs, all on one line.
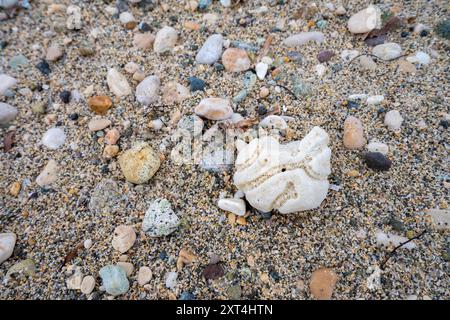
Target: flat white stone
{"points": [[304, 37], [147, 92], [7, 243], [393, 120], [54, 138], [117, 83], [365, 20], [261, 70], [6, 82], [387, 51], [211, 50], [233, 205]]}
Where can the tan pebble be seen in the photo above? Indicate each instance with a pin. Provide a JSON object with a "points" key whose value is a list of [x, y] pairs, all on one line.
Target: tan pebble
{"points": [[49, 174], [87, 285], [127, 267], [235, 60], [110, 151], [174, 92], [353, 173], [100, 104], [139, 75], [31, 241], [241, 220], [139, 163], [185, 257], [124, 238], [98, 124], [353, 133], [14, 189], [214, 109], [175, 117], [322, 283], [265, 277], [54, 53], [144, 275], [143, 40], [406, 66], [50, 118], [190, 25], [112, 136], [264, 92], [300, 285], [131, 67]]}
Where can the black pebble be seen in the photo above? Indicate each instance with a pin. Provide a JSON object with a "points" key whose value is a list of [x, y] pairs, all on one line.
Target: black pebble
{"points": [[377, 161], [352, 105], [444, 124], [196, 84], [144, 27], [274, 275], [73, 116], [163, 255], [423, 33], [265, 215], [104, 169], [65, 96], [396, 224], [404, 34], [44, 67], [262, 110]]}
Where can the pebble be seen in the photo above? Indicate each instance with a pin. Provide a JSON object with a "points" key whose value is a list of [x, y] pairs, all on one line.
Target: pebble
{"points": [[443, 29], [320, 70], [18, 61], [264, 92], [44, 67], [54, 138], [240, 96], [112, 136], [274, 122], [196, 84], [377, 161], [187, 295], [87, 243], [147, 92], [261, 70], [114, 279], [233, 205], [304, 37], [117, 83], [393, 120], [39, 108], [325, 55], [124, 238], [14, 188], [348, 55], [420, 58], [214, 109], [174, 93], [143, 40], [144, 275], [65, 96], [353, 133], [139, 163], [131, 67], [374, 100], [110, 151], [6, 82], [100, 104], [73, 21], [322, 283], [365, 20], [367, 63], [235, 60], [211, 50], [387, 51], [7, 244], [87, 285], [406, 66], [165, 40], [49, 174], [160, 220], [387, 239], [127, 20], [86, 49], [127, 267], [54, 53], [171, 280], [375, 146], [26, 267], [98, 124], [440, 218], [7, 113]]}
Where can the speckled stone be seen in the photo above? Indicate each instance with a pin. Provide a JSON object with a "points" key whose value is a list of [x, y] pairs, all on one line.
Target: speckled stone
{"points": [[160, 220], [235, 60]]}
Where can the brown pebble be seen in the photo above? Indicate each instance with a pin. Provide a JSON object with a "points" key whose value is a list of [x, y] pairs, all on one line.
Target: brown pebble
{"points": [[322, 283], [100, 104], [14, 189], [353, 133]]}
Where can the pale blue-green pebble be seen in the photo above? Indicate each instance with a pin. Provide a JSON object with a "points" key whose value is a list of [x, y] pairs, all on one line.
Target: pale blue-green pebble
{"points": [[17, 61], [241, 95], [114, 280]]}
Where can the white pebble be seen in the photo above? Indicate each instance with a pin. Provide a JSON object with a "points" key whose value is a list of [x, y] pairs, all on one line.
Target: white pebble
{"points": [[374, 100], [211, 50], [376, 146], [261, 70], [147, 92], [365, 20], [165, 39], [304, 37], [54, 138], [320, 70], [393, 120], [420, 58], [87, 243], [387, 51], [233, 205], [6, 82], [171, 280]]}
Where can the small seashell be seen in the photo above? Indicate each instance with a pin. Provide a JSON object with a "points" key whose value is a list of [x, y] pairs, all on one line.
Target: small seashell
{"points": [[273, 122], [289, 178], [365, 20]]}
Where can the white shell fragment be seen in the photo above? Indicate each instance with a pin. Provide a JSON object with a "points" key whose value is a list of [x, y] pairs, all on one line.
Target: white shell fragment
{"points": [[365, 20], [304, 37], [387, 51], [289, 178], [387, 239], [233, 205]]}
